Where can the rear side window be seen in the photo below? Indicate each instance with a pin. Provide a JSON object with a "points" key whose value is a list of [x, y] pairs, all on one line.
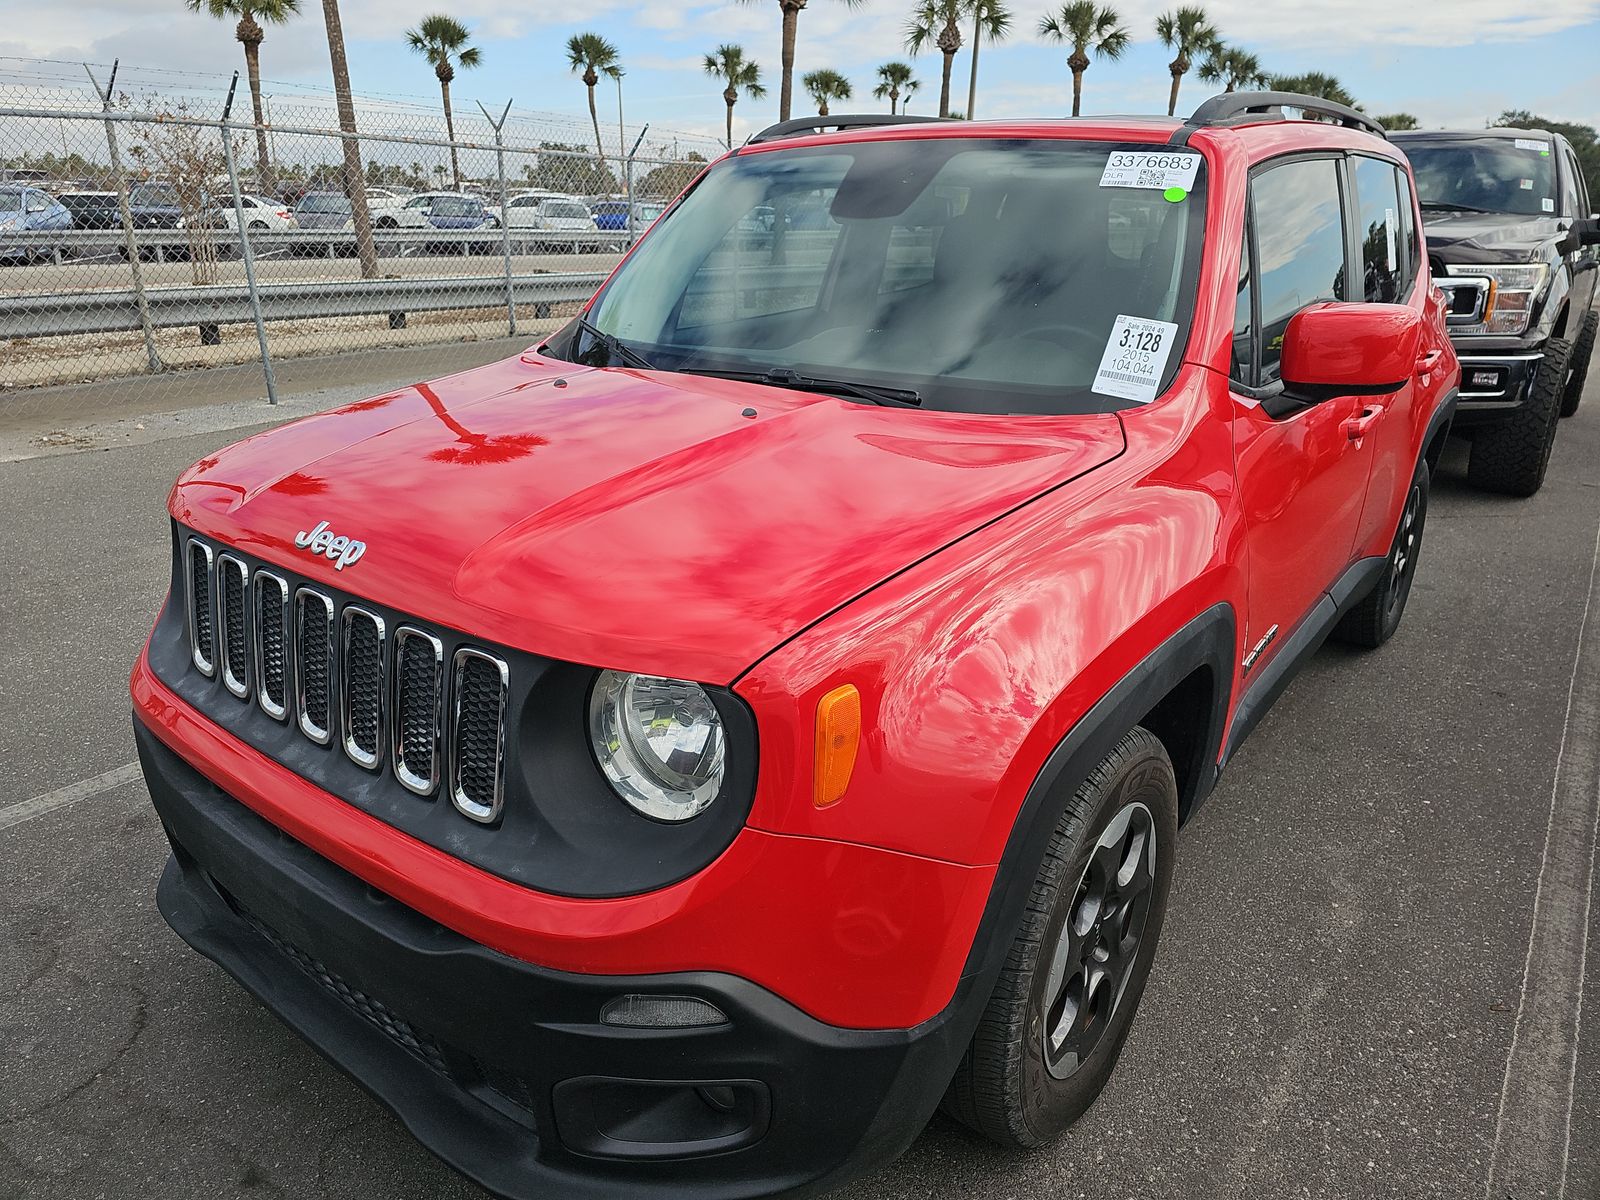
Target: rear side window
{"points": [[1378, 228], [1300, 246]]}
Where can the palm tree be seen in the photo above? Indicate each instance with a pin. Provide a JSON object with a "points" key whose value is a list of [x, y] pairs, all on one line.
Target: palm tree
{"points": [[893, 79], [1231, 66], [248, 31], [739, 74], [826, 85], [991, 19], [339, 65], [1186, 31], [593, 56], [791, 23], [1399, 121], [1085, 28], [442, 40], [938, 23], [1313, 83]]}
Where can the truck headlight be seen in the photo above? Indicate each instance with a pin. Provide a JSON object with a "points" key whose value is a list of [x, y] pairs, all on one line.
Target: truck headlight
{"points": [[1516, 287], [659, 743]]}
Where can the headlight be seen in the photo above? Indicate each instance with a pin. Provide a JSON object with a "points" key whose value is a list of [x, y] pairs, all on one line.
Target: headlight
{"points": [[659, 743], [1511, 303]]}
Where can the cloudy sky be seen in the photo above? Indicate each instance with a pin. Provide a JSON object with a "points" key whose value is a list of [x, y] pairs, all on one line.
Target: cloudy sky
{"points": [[1455, 64]]}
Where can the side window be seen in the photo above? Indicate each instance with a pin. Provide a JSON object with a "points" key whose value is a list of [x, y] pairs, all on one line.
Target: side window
{"points": [[1300, 245], [1411, 238], [1571, 182], [1378, 227], [1244, 327]]}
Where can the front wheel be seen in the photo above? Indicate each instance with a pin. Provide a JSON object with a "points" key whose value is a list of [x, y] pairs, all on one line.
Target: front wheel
{"points": [[1511, 457], [1065, 1000]]}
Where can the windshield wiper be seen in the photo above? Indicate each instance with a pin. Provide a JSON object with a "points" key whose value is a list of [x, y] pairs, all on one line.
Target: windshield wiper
{"points": [[785, 378], [614, 347], [1447, 206]]}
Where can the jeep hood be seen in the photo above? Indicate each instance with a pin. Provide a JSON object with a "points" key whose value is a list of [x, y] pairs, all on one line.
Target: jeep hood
{"points": [[663, 523], [1469, 237]]}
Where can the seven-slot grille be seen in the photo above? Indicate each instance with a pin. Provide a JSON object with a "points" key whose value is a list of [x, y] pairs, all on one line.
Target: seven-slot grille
{"points": [[336, 670]]}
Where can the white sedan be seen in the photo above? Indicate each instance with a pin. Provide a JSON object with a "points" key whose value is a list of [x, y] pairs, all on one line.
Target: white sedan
{"points": [[566, 220], [261, 215]]}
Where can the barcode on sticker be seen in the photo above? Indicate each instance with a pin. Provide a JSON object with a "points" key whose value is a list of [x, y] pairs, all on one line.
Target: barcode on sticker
{"points": [[1144, 169]]}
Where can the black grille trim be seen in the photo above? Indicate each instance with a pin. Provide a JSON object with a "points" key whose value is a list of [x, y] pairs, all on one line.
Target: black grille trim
{"points": [[199, 607], [233, 599], [477, 734], [272, 643], [418, 709], [362, 704], [314, 664]]}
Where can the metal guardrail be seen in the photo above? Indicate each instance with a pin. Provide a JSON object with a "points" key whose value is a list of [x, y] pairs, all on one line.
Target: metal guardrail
{"points": [[56, 314], [62, 246]]}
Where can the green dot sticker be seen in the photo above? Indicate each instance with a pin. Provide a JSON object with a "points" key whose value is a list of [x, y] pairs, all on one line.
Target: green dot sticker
{"points": [[1174, 195]]}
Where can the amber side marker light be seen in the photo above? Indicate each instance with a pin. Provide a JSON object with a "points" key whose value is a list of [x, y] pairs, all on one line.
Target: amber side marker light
{"points": [[838, 735]]}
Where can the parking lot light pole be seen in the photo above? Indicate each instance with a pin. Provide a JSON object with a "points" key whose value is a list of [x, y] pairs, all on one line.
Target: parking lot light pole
{"points": [[129, 240], [505, 215], [246, 253]]}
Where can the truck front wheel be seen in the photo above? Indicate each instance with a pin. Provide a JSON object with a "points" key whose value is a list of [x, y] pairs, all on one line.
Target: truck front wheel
{"points": [[1511, 457], [1065, 1000]]}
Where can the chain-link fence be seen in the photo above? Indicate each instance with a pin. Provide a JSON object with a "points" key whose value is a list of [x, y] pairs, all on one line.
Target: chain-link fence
{"points": [[156, 230]]}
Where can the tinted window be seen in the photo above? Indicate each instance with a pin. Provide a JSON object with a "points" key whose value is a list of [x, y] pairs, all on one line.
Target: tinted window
{"points": [[324, 202], [1486, 174], [1299, 246], [1571, 204], [1411, 237], [1244, 368], [1378, 227]]}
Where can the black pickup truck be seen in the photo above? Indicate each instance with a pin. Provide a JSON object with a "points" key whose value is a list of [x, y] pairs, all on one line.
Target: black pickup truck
{"points": [[1512, 238]]}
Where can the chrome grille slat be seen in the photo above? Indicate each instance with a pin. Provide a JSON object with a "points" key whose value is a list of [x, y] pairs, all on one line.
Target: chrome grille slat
{"points": [[272, 641], [477, 734], [201, 610], [361, 684], [233, 580], [313, 662], [418, 708]]}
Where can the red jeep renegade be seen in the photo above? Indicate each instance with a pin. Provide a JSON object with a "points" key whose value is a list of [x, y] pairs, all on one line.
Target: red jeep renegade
{"points": [[676, 760]]}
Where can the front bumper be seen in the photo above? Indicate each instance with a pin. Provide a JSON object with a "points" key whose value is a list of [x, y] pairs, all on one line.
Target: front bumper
{"points": [[1493, 385], [503, 1068]]}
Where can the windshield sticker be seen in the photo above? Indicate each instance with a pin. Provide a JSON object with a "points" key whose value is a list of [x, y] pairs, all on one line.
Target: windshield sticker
{"points": [[1388, 230], [1134, 359], [1547, 204], [1139, 169], [1525, 184], [1532, 144]]}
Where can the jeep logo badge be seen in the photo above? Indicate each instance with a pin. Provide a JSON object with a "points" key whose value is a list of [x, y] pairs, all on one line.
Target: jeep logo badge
{"points": [[343, 551]]}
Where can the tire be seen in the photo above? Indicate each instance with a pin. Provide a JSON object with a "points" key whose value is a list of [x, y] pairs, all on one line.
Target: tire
{"points": [[1374, 619], [1007, 1087], [1582, 350], [1511, 457], [257, 226]]}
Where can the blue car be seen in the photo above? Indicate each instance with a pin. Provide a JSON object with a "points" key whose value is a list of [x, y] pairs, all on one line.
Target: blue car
{"points": [[459, 212], [29, 210]]}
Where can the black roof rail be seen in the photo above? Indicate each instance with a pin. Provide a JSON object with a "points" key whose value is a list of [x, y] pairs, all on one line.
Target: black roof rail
{"points": [[1237, 106], [801, 126]]}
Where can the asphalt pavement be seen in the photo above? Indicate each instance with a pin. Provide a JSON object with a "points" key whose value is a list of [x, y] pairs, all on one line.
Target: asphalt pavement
{"points": [[1353, 996]]}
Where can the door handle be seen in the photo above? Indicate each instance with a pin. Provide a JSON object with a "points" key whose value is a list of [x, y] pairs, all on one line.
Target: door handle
{"points": [[1357, 428], [1429, 361]]}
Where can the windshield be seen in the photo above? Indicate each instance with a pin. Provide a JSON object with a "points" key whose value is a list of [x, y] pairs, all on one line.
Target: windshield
{"points": [[559, 208], [983, 275], [325, 202], [454, 206], [1484, 174]]}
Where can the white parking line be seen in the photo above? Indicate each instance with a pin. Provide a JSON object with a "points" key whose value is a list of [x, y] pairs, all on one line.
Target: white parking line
{"points": [[84, 789], [1533, 1134]]}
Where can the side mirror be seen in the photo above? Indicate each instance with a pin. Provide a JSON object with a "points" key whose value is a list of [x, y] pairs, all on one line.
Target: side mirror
{"points": [[1346, 349], [1588, 230]]}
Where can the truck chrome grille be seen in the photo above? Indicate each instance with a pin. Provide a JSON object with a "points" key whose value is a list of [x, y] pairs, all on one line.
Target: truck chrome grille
{"points": [[477, 735], [338, 668]]}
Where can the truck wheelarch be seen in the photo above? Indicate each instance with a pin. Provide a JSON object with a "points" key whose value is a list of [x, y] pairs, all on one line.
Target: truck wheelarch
{"points": [[1582, 350]]}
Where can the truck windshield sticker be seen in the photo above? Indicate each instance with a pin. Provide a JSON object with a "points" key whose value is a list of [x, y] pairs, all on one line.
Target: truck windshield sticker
{"points": [[1140, 169], [1547, 204], [1533, 144], [1134, 359]]}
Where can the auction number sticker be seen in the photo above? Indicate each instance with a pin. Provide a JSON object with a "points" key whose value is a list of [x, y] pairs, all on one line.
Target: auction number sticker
{"points": [[1134, 358], [1531, 144], [1143, 169]]}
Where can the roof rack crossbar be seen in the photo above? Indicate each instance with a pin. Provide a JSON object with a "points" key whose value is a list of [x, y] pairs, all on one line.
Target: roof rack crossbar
{"points": [[1231, 106], [802, 126]]}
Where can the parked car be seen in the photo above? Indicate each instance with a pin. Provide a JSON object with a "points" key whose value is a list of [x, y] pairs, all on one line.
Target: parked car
{"points": [[1512, 234], [260, 215], [157, 205], [453, 210], [568, 219], [92, 210], [669, 762], [323, 210], [32, 211]]}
